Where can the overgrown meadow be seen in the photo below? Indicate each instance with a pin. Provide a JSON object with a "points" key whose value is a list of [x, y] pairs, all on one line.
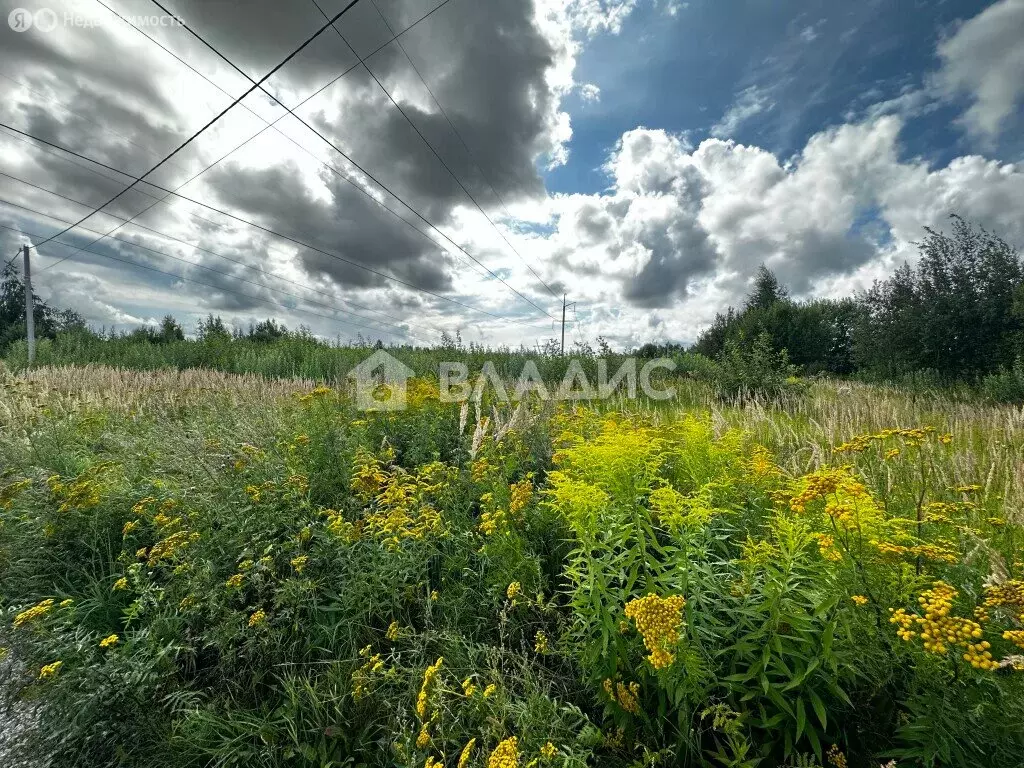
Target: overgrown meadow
{"points": [[207, 569]]}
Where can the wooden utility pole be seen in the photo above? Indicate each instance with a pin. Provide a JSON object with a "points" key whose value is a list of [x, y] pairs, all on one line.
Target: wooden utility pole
{"points": [[564, 305], [563, 319], [30, 316]]}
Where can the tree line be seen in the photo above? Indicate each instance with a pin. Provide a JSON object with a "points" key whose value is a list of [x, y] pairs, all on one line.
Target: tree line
{"points": [[956, 316]]}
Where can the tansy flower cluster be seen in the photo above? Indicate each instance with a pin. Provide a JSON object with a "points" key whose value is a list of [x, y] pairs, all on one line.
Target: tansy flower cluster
{"points": [[513, 590], [939, 630], [110, 642], [910, 437], [50, 670], [258, 619], [658, 620], [859, 599], [37, 611], [836, 757], [626, 696], [505, 755], [827, 547]]}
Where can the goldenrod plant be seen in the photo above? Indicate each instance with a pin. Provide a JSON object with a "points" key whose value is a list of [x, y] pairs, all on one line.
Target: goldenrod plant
{"points": [[198, 569]]}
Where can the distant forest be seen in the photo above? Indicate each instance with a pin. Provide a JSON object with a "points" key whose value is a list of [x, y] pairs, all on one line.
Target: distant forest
{"points": [[957, 316]]}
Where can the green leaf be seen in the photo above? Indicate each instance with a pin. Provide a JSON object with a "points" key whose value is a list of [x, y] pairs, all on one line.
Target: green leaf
{"points": [[819, 709], [801, 717]]}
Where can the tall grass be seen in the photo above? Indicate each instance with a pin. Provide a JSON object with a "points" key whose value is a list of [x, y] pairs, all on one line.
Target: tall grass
{"points": [[280, 571]]}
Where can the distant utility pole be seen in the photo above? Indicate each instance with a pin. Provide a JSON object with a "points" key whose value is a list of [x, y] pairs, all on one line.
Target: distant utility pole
{"points": [[30, 317], [564, 305]]}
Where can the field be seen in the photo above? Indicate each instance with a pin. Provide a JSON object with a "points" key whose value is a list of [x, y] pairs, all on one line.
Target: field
{"points": [[201, 568]]}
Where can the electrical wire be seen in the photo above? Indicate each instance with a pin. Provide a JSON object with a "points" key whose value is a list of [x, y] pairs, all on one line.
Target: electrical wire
{"points": [[291, 111], [219, 289], [209, 269], [188, 244], [274, 123], [426, 141], [195, 135], [262, 228]]}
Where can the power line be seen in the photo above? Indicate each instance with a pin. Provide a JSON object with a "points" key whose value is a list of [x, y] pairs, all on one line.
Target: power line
{"points": [[202, 266], [195, 135], [186, 243], [220, 289], [273, 124], [88, 119], [261, 228], [455, 130], [243, 144], [291, 111]]}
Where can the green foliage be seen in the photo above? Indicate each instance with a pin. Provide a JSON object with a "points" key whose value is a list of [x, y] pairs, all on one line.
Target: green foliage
{"points": [[958, 313], [753, 369]]}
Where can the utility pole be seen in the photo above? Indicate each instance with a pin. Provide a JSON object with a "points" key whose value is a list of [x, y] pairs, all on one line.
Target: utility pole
{"points": [[564, 305], [563, 314], [30, 317]]}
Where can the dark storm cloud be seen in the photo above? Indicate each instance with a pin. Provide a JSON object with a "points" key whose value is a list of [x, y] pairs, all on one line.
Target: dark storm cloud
{"points": [[126, 103], [350, 225], [485, 63]]}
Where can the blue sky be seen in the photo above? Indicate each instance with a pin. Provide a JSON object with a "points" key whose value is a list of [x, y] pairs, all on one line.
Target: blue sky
{"points": [[643, 156], [814, 63]]}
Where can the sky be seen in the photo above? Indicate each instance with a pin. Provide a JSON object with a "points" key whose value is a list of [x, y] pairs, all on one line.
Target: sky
{"points": [[424, 167]]}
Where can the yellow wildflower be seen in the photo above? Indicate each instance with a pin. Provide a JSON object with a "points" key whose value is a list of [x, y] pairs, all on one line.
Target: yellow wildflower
{"points": [[258, 618], [505, 755], [659, 621], [393, 629], [50, 670], [836, 757], [467, 751], [490, 690], [130, 526], [235, 581], [110, 642], [541, 642], [298, 563], [468, 687], [35, 612], [859, 599], [66, 603], [423, 739], [513, 589], [423, 698], [548, 751]]}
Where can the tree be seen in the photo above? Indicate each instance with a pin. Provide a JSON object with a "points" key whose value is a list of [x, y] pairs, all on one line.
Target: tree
{"points": [[170, 330], [212, 330], [767, 290], [48, 321], [957, 313], [267, 332]]}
